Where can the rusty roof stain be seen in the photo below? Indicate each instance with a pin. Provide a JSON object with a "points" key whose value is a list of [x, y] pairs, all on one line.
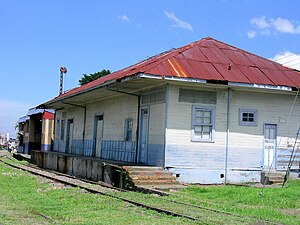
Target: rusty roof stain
{"points": [[206, 59]]}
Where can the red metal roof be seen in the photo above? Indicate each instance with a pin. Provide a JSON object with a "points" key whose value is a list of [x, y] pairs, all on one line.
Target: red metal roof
{"points": [[206, 59]]}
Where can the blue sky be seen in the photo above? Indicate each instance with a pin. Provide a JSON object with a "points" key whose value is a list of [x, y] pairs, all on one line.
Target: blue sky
{"points": [[37, 37]]}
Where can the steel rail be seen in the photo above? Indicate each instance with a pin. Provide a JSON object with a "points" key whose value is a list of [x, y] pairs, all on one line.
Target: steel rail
{"points": [[91, 190], [102, 184], [222, 212]]}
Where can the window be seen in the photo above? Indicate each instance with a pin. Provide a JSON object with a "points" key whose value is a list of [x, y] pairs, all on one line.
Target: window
{"points": [[203, 123], [153, 97], [62, 130], [248, 117], [128, 129]]}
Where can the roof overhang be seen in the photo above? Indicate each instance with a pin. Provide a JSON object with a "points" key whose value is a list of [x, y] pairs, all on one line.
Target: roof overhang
{"points": [[261, 86], [226, 84], [141, 81], [23, 119], [132, 85]]}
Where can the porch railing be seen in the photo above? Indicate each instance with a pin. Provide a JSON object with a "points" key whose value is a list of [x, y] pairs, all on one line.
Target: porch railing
{"points": [[118, 150]]}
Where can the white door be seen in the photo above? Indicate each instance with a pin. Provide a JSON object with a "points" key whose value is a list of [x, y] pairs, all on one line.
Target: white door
{"points": [[144, 130], [98, 135], [270, 139]]}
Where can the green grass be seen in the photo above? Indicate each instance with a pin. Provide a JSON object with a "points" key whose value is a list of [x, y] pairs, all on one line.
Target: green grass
{"points": [[25, 199], [276, 204]]}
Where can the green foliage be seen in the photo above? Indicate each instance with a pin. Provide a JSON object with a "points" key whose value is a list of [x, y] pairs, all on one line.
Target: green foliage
{"points": [[94, 76]]}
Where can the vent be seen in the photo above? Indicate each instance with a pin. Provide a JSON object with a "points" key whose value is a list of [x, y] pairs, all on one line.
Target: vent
{"points": [[197, 96]]}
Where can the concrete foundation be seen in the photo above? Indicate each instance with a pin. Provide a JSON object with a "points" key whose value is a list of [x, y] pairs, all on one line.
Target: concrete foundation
{"points": [[79, 166]]}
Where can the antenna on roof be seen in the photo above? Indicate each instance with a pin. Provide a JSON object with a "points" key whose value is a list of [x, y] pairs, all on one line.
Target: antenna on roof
{"points": [[62, 71]]}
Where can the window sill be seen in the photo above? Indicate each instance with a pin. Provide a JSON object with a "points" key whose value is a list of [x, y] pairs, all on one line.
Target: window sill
{"points": [[203, 141]]}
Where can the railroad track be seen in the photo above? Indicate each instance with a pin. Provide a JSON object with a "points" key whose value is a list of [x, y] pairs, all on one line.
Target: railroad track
{"points": [[199, 214]]}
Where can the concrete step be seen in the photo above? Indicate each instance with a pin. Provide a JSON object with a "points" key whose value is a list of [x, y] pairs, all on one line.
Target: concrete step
{"points": [[150, 173], [276, 181], [164, 186], [273, 177], [142, 168], [276, 178], [135, 178], [150, 176], [154, 182]]}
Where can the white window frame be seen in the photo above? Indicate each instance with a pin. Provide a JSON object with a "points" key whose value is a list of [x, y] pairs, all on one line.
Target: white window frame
{"points": [[248, 123], [211, 109], [128, 128], [62, 130]]}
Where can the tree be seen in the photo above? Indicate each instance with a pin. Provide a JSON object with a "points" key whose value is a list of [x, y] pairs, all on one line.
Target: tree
{"points": [[94, 76]]}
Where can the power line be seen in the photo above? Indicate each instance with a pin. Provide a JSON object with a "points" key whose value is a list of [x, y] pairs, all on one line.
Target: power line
{"points": [[286, 56], [294, 64], [291, 60]]}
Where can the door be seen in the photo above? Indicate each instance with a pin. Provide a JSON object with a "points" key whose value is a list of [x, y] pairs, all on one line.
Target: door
{"points": [[98, 135], [144, 130], [70, 129], [270, 139]]}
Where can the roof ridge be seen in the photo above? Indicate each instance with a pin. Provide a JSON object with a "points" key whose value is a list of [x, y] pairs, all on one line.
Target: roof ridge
{"points": [[158, 64], [176, 51]]}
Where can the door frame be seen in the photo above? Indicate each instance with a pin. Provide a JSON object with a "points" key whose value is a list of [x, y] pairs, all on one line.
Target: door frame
{"points": [[275, 147], [67, 147], [97, 118], [141, 125]]}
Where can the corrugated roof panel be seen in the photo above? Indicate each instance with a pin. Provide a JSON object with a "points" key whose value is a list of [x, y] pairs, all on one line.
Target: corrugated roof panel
{"points": [[161, 69], [193, 54], [215, 55], [237, 57], [176, 68], [207, 59], [254, 75], [260, 62], [281, 67], [189, 70], [294, 76], [207, 43], [205, 71], [277, 77], [233, 74], [156, 60], [224, 46]]}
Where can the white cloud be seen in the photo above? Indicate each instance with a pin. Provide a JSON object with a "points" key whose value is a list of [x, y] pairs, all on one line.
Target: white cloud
{"points": [[251, 34], [267, 26], [124, 18], [288, 59], [10, 112], [178, 22], [260, 22], [284, 26]]}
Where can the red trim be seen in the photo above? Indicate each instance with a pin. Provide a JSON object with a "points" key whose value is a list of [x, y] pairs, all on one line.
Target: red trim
{"points": [[48, 115]]}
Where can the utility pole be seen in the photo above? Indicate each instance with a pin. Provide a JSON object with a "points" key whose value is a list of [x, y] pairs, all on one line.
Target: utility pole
{"points": [[62, 71]]}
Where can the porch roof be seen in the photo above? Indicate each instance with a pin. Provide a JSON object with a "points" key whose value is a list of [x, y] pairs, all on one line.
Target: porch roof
{"points": [[23, 119], [207, 60]]}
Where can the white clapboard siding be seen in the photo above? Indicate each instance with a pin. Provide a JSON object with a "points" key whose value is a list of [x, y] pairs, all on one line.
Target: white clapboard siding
{"points": [[114, 111], [246, 143]]}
